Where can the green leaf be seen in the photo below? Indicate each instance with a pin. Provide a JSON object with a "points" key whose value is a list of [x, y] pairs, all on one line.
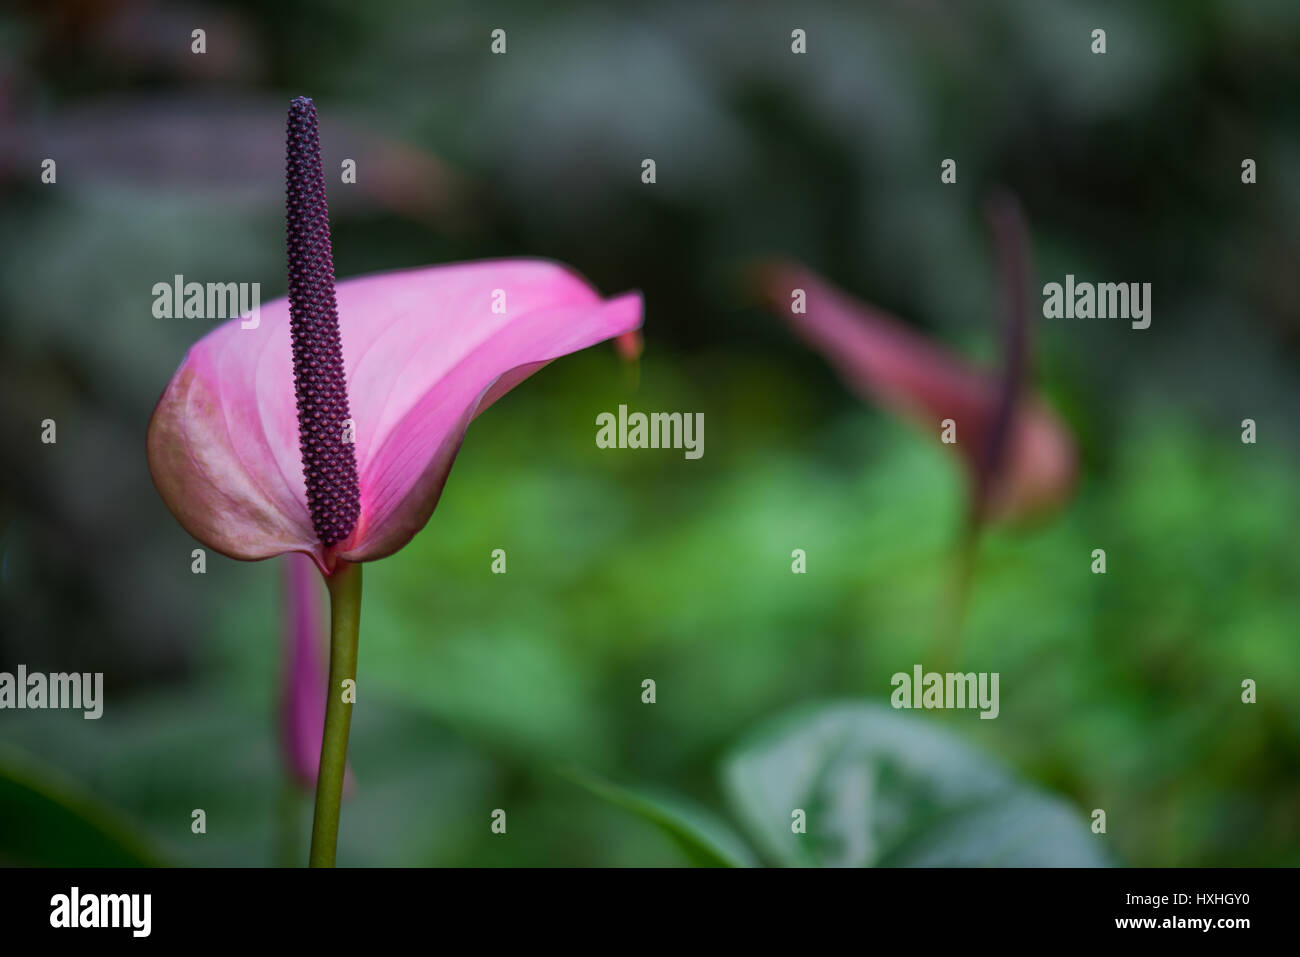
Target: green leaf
{"points": [[1019, 829], [880, 788], [703, 837], [49, 821]]}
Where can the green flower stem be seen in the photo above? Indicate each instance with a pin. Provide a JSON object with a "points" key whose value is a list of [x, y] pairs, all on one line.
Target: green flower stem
{"points": [[345, 620]]}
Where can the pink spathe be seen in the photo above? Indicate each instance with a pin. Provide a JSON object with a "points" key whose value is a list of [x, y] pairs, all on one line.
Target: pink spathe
{"points": [[883, 360], [425, 351]]}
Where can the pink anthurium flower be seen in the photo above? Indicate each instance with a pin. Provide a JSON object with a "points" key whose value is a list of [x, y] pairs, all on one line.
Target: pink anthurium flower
{"points": [[327, 424], [422, 354], [1019, 455]]}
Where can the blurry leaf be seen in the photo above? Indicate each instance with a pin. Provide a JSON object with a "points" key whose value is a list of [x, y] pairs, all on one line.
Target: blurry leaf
{"points": [[883, 788], [1016, 829], [49, 821], [703, 837]]}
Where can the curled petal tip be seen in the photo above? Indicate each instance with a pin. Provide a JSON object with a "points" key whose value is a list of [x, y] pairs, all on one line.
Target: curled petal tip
{"points": [[630, 345]]}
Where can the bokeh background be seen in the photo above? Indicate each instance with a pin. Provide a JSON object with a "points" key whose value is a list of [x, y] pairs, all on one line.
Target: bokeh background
{"points": [[479, 691]]}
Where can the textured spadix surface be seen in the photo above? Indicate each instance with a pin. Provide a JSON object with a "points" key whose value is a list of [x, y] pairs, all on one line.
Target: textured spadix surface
{"points": [[328, 463]]}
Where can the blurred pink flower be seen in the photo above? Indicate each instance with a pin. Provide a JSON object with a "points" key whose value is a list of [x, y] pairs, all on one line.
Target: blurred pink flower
{"points": [[1029, 468], [303, 701]]}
